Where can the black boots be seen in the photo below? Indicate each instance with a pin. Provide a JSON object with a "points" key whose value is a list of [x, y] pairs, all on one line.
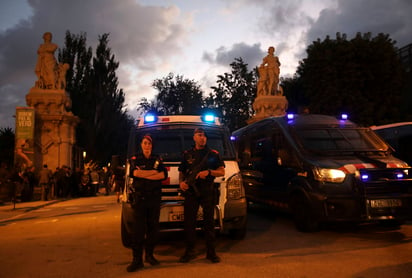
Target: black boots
{"points": [[187, 256], [151, 259], [211, 256], [136, 264], [190, 255]]}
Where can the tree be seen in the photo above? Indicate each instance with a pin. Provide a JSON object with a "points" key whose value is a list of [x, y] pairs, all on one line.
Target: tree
{"points": [[176, 96], [362, 77], [293, 90], [7, 138], [79, 56], [234, 95], [97, 101]]}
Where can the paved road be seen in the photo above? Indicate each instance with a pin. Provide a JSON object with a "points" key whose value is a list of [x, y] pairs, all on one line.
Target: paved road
{"points": [[81, 238]]}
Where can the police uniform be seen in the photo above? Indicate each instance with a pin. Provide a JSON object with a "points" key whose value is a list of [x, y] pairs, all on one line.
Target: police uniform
{"points": [[205, 196], [145, 197]]}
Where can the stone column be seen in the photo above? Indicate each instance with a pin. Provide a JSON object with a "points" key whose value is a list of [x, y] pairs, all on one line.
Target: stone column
{"points": [[54, 129]]}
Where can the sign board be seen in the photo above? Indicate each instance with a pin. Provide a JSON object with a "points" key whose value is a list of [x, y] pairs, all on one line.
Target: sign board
{"points": [[24, 142]]}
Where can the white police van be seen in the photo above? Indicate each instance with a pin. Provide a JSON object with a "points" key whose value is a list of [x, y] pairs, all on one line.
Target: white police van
{"points": [[171, 136]]}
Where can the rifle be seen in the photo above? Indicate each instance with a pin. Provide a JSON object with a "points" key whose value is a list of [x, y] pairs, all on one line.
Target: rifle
{"points": [[191, 176]]}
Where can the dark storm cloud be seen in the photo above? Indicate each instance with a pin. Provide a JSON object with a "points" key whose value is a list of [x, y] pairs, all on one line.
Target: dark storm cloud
{"points": [[251, 55], [285, 23], [376, 16], [142, 36], [283, 17]]}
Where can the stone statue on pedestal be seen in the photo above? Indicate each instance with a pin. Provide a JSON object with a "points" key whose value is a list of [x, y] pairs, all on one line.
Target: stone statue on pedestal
{"points": [[54, 122], [269, 100]]}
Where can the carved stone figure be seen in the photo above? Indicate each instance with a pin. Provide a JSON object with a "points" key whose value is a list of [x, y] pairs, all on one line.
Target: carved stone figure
{"points": [[46, 67], [61, 77], [262, 83], [270, 70]]}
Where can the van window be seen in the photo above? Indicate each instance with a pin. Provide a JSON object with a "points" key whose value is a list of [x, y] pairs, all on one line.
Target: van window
{"points": [[171, 144], [399, 136], [322, 140]]}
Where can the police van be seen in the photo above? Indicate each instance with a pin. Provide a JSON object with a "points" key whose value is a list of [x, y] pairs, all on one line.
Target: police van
{"points": [[323, 169], [171, 136]]}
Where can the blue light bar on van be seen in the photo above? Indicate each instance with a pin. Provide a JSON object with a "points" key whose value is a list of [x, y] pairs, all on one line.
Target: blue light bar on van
{"points": [[150, 118], [290, 116], [364, 177], [399, 175], [209, 118], [232, 138], [344, 116]]}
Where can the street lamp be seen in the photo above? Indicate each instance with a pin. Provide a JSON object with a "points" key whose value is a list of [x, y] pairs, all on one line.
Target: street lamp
{"points": [[84, 158]]}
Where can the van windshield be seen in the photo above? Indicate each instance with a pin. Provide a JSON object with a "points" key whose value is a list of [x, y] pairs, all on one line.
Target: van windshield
{"points": [[334, 140], [170, 141]]}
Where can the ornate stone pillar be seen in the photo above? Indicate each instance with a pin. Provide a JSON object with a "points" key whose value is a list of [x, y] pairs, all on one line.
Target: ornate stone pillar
{"points": [[54, 129], [55, 125]]}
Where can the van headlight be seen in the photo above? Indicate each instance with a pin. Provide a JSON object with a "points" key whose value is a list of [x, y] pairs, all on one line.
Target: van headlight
{"points": [[329, 175], [234, 187]]}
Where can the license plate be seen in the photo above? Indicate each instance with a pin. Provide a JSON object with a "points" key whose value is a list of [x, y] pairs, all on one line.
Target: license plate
{"points": [[385, 203], [177, 214]]}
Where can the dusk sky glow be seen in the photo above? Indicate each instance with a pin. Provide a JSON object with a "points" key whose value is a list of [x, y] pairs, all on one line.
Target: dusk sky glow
{"points": [[196, 39]]}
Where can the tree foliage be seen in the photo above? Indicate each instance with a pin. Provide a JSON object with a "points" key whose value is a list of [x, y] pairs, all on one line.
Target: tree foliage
{"points": [[231, 99], [293, 91], [7, 138], [176, 96], [362, 76], [234, 95], [98, 102]]}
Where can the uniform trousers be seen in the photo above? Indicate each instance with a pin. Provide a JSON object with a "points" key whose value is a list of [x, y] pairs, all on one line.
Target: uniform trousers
{"points": [[145, 228], [191, 206]]}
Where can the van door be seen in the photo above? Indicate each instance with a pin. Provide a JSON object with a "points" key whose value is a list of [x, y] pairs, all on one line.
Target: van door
{"points": [[273, 163]]}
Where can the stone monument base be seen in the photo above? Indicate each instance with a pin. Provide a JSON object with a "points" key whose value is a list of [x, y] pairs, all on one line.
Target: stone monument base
{"points": [[54, 133], [269, 106]]}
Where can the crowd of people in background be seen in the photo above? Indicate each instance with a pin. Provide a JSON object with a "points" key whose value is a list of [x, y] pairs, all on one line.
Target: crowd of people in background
{"points": [[63, 182]]}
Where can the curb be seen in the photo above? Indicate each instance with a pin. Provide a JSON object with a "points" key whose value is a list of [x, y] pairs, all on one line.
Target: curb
{"points": [[9, 212]]}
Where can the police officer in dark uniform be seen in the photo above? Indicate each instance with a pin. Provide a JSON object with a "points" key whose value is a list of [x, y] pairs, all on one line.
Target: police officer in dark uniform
{"points": [[197, 171], [147, 171]]}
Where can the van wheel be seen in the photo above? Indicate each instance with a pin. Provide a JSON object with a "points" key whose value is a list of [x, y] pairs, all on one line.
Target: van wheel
{"points": [[237, 234], [303, 215], [240, 232]]}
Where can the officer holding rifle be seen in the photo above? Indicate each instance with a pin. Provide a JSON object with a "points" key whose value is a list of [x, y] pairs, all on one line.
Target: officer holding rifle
{"points": [[197, 171]]}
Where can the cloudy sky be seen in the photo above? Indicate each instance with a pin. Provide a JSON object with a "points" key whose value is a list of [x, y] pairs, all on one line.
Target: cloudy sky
{"points": [[197, 39]]}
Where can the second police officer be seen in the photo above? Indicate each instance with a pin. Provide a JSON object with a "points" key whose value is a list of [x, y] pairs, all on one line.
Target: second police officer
{"points": [[197, 171]]}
